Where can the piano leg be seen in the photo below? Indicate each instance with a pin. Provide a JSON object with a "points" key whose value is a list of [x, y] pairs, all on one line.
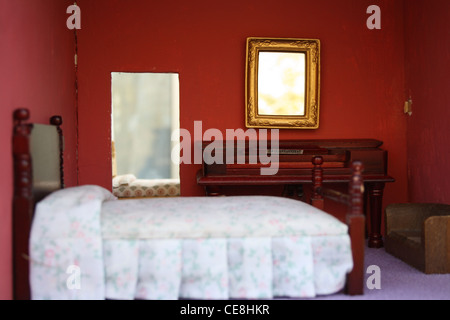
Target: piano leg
{"points": [[376, 207], [293, 191], [287, 191], [213, 191]]}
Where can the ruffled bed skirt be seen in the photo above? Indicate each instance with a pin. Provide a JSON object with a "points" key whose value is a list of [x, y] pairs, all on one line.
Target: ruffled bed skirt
{"points": [[249, 268]]}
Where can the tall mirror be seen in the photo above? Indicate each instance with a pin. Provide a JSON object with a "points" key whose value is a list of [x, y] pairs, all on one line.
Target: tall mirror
{"points": [[282, 83], [145, 112]]}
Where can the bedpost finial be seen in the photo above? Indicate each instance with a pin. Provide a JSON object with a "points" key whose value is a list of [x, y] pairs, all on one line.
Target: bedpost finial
{"points": [[317, 160], [358, 167], [317, 177], [21, 114], [56, 120]]}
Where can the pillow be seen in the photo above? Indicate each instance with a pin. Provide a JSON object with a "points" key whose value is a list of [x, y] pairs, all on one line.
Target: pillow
{"points": [[71, 209], [123, 180], [73, 196], [66, 231]]}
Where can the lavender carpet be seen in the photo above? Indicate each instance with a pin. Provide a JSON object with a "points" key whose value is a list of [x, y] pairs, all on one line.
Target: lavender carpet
{"points": [[399, 281]]}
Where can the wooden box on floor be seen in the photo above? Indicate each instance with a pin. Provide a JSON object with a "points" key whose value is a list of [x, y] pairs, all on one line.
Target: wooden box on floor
{"points": [[419, 234]]}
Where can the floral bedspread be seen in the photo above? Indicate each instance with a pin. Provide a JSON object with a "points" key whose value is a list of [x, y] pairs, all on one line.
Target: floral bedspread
{"points": [[85, 244]]}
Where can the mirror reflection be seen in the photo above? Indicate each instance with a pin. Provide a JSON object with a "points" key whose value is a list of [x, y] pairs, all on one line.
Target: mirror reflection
{"points": [[281, 83], [145, 111]]}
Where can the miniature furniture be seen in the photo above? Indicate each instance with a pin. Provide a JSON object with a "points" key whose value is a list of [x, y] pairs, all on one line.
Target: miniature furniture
{"points": [[295, 170], [75, 228], [419, 234]]}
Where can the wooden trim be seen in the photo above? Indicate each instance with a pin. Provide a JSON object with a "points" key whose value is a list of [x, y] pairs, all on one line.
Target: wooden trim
{"points": [[57, 121]]}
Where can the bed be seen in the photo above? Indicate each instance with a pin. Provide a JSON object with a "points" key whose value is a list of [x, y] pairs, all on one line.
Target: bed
{"points": [[82, 242]]}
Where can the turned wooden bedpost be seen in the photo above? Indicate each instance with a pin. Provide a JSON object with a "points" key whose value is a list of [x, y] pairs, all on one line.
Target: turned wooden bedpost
{"points": [[317, 198], [356, 189], [356, 223], [22, 203]]}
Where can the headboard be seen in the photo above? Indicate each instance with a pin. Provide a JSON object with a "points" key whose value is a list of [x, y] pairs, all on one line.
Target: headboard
{"points": [[33, 146]]}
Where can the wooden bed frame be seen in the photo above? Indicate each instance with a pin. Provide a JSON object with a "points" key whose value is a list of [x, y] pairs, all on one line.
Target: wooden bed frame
{"points": [[26, 194]]}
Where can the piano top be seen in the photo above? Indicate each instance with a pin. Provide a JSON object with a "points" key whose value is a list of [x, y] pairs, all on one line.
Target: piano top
{"points": [[294, 161], [311, 143]]}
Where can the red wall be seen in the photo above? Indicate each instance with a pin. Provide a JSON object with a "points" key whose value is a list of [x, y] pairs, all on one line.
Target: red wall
{"points": [[36, 63], [427, 79], [362, 78]]}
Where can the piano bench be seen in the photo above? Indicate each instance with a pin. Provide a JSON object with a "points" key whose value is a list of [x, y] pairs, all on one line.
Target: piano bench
{"points": [[419, 234]]}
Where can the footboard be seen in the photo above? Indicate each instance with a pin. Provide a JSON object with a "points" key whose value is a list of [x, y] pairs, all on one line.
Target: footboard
{"points": [[354, 218]]}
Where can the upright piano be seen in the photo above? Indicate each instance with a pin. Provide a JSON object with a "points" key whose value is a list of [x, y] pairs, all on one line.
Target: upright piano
{"points": [[242, 163]]}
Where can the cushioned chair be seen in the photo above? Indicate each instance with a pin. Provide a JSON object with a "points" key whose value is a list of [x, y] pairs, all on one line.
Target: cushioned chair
{"points": [[419, 234]]}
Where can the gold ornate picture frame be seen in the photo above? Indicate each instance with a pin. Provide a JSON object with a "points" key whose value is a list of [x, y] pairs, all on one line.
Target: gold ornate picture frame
{"points": [[282, 83]]}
